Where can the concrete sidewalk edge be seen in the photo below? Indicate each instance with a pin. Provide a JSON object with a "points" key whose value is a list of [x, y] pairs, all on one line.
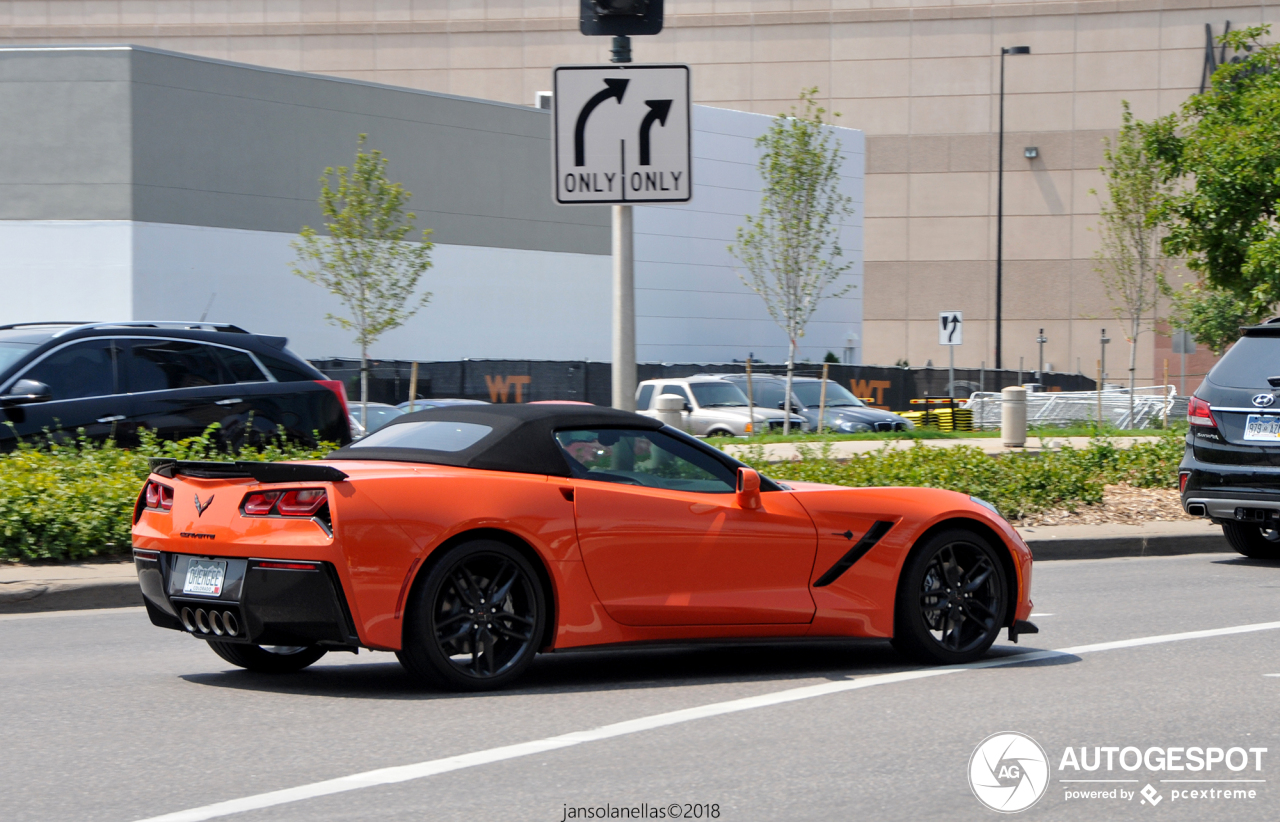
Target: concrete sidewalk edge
{"points": [[1160, 545], [38, 596]]}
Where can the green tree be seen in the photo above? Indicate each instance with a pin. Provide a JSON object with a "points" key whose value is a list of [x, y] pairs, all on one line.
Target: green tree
{"points": [[1129, 261], [365, 259], [791, 249], [1223, 146]]}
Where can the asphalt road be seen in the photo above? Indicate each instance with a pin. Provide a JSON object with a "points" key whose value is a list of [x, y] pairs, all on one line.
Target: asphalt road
{"points": [[107, 718]]}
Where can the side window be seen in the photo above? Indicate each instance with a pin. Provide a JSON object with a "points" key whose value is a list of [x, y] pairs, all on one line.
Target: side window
{"points": [[769, 394], [648, 458], [87, 369], [678, 390], [646, 396], [286, 371], [161, 365], [239, 365]]}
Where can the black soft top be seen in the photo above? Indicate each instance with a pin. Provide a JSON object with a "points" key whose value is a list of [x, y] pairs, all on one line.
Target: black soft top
{"points": [[522, 439]]}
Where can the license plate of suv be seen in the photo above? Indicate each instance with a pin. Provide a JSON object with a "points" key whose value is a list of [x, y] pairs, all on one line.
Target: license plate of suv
{"points": [[1262, 427], [205, 577]]}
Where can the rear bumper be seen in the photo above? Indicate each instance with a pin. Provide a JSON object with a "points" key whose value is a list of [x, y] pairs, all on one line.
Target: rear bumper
{"points": [[267, 606]]}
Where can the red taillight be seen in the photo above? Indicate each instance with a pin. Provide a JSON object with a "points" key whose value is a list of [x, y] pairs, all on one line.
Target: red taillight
{"points": [[304, 503], [157, 496], [1198, 413], [1182, 481], [259, 505], [288, 566], [338, 388]]}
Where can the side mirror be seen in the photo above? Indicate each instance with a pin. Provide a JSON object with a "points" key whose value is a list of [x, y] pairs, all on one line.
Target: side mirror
{"points": [[748, 488], [782, 405], [24, 392]]}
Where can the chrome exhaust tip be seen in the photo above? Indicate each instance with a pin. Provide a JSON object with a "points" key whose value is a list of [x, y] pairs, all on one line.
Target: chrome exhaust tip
{"points": [[231, 624], [215, 622], [1196, 509], [188, 620], [202, 621]]}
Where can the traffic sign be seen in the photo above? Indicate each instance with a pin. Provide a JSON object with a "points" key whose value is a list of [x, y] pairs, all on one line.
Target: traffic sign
{"points": [[1183, 342], [950, 328], [622, 134]]}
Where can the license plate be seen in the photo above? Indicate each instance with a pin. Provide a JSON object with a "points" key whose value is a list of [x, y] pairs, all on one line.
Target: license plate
{"points": [[205, 577], [1264, 427]]}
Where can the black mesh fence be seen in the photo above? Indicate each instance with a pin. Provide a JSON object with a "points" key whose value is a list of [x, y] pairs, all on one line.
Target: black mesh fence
{"points": [[530, 380]]}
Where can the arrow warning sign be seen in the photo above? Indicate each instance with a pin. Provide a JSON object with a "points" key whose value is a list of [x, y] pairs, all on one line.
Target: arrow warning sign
{"points": [[622, 134]]}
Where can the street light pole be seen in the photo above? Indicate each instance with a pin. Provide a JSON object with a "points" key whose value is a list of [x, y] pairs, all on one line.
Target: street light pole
{"points": [[1000, 209]]}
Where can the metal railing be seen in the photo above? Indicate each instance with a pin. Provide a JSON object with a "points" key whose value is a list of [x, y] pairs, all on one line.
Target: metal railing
{"points": [[1150, 404]]}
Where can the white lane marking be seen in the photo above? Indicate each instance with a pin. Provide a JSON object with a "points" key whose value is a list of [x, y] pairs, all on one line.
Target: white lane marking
{"points": [[1044, 615], [86, 612], [405, 773], [1271, 674]]}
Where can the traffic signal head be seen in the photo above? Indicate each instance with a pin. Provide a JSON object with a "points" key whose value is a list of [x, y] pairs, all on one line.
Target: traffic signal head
{"points": [[618, 17]]}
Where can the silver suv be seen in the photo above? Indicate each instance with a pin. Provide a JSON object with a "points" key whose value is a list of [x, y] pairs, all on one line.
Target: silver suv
{"points": [[712, 407]]}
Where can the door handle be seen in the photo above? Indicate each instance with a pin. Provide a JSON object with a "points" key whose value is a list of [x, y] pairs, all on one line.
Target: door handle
{"points": [[232, 401], [112, 418]]}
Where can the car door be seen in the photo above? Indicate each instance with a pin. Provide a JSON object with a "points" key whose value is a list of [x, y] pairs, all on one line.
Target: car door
{"points": [[665, 543], [84, 386], [178, 387]]}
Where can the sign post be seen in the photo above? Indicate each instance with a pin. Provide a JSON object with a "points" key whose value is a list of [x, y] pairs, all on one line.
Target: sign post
{"points": [[951, 334], [622, 135]]}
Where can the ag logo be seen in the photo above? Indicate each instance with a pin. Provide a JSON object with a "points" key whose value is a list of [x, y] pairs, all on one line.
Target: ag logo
{"points": [[1008, 772], [1263, 400]]}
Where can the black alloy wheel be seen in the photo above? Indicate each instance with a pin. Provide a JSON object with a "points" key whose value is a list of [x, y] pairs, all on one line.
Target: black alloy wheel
{"points": [[268, 659], [1253, 541], [476, 621], [952, 600]]}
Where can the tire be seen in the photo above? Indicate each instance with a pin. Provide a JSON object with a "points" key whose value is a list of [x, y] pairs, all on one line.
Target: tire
{"points": [[1252, 540], [267, 659], [952, 600], [476, 621]]}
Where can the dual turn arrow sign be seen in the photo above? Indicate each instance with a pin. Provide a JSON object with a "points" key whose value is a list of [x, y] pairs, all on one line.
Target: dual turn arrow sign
{"points": [[622, 134]]}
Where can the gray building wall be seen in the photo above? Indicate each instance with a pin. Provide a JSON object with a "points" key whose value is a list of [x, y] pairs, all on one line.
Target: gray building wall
{"points": [[139, 134]]}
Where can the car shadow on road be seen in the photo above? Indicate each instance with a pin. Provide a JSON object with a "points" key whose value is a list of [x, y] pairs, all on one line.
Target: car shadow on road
{"points": [[1246, 562], [608, 670]]}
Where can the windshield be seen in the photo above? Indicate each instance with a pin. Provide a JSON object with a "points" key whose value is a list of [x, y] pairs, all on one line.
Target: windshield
{"points": [[432, 435], [718, 394], [379, 415], [810, 394], [1248, 364], [11, 352]]}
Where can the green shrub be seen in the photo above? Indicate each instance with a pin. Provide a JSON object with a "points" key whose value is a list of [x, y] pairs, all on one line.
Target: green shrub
{"points": [[1016, 483], [72, 500]]}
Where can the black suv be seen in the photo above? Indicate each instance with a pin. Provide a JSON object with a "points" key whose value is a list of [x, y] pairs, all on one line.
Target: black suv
{"points": [[1231, 470], [113, 379]]}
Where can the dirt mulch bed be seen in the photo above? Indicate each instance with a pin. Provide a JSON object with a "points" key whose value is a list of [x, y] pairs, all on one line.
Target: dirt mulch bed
{"points": [[1121, 504]]}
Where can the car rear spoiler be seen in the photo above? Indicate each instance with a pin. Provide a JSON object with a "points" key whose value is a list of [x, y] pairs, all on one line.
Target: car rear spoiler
{"points": [[260, 471]]}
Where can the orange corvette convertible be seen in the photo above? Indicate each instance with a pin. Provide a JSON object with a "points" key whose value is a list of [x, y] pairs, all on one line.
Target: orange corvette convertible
{"points": [[469, 538]]}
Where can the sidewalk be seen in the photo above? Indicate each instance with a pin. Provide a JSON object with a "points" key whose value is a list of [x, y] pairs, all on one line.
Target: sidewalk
{"points": [[784, 451], [35, 588], [1101, 541]]}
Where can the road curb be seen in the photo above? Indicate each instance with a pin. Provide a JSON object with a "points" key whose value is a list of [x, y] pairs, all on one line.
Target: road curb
{"points": [[1161, 545], [38, 596]]}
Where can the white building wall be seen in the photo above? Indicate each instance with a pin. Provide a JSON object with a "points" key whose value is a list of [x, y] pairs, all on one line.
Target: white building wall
{"points": [[487, 302], [691, 304], [65, 270]]}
